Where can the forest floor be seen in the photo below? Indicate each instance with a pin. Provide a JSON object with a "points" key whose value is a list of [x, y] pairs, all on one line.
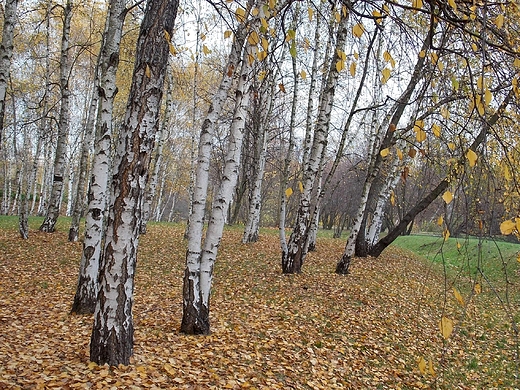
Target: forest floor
{"points": [[377, 328]]}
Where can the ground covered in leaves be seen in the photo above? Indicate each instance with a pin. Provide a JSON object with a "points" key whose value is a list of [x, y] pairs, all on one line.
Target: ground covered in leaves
{"points": [[377, 328]]}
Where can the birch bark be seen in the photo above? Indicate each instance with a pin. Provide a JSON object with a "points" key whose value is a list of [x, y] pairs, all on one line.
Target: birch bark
{"points": [[6, 53], [112, 333], [53, 209], [292, 260], [195, 319], [87, 291]]}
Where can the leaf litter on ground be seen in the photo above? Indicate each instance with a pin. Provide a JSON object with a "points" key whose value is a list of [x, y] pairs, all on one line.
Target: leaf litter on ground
{"points": [[376, 328]]}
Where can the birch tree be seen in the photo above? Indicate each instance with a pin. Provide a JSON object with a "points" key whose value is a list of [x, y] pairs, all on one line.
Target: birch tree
{"points": [[112, 333], [292, 260], [200, 258], [86, 291], [53, 209], [6, 53]]}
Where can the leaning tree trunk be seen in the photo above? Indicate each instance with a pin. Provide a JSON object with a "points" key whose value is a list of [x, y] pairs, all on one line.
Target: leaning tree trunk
{"points": [[112, 334], [87, 288], [398, 230], [200, 259], [195, 316], [292, 260], [53, 209], [382, 141]]}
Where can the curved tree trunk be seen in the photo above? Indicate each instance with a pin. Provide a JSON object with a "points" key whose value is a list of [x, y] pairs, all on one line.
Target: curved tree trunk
{"points": [[200, 259], [112, 334]]}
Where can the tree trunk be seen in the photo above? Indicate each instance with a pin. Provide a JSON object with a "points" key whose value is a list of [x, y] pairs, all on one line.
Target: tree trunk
{"points": [[112, 333], [292, 260], [87, 289], [381, 245], [53, 209], [6, 53], [200, 260], [261, 123], [161, 133], [88, 136]]}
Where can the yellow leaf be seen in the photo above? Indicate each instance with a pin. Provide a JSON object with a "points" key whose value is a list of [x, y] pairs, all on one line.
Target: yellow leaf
{"points": [[384, 152], [167, 36], [458, 245], [356, 55], [446, 327], [452, 146], [92, 365], [507, 227], [240, 14], [272, 4], [440, 65], [516, 62], [341, 54], [264, 23], [173, 51], [458, 297], [392, 198], [303, 74], [300, 186], [387, 56], [430, 368], [440, 220], [340, 65], [518, 258], [261, 55], [417, 3], [422, 54], [477, 288], [376, 14], [445, 112], [253, 39], [288, 192], [386, 75], [446, 234], [499, 20], [353, 69], [400, 154], [227, 34], [169, 369], [422, 365], [205, 50], [436, 129], [420, 136], [310, 11], [265, 44], [472, 157], [358, 30], [147, 71], [517, 220], [337, 16], [255, 11], [453, 4], [487, 97], [447, 197], [261, 75]]}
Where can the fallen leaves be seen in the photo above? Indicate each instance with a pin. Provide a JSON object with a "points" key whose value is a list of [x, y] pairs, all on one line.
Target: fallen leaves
{"points": [[269, 331]]}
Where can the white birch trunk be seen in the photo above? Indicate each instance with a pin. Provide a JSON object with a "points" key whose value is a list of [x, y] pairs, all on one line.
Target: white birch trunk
{"points": [[253, 220], [86, 291], [53, 209], [6, 53], [112, 333], [293, 260], [195, 316]]}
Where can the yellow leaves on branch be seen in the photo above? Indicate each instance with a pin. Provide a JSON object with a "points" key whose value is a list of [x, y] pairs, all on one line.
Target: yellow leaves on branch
{"points": [[446, 327], [386, 75], [240, 14], [510, 227], [472, 157], [358, 30], [447, 197], [423, 365], [458, 296], [385, 152], [418, 128], [288, 192]]}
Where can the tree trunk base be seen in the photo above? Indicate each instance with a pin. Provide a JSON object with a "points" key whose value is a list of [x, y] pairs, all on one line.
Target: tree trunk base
{"points": [[74, 234], [109, 347], [342, 268]]}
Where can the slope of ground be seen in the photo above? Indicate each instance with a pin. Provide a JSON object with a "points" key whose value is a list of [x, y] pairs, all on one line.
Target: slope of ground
{"points": [[377, 328]]}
